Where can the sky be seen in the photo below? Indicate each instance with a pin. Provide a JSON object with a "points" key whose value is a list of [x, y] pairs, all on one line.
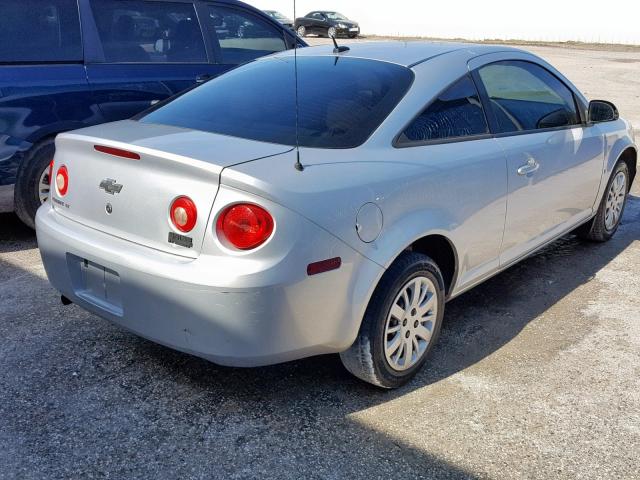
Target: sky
{"points": [[610, 21]]}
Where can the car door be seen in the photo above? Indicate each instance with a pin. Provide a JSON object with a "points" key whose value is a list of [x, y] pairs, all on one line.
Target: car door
{"points": [[554, 159], [43, 85], [140, 52], [318, 23], [239, 36]]}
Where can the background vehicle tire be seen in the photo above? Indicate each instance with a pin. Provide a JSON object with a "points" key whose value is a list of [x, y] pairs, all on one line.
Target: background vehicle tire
{"points": [[413, 289], [606, 222], [332, 32], [32, 183], [302, 31]]}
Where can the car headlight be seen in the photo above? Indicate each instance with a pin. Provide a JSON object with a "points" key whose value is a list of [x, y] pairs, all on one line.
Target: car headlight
{"points": [[341, 25]]}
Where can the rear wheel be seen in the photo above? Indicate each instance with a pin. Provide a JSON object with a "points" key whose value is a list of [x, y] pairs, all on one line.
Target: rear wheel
{"points": [[401, 324], [302, 31], [606, 222], [33, 182]]}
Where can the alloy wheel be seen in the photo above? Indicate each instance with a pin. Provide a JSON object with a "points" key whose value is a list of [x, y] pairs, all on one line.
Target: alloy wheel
{"points": [[44, 186], [410, 323], [615, 201]]}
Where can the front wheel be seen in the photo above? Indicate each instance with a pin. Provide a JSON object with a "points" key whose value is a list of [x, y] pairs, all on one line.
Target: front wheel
{"points": [[33, 182], [607, 220], [332, 32], [302, 31], [401, 324]]}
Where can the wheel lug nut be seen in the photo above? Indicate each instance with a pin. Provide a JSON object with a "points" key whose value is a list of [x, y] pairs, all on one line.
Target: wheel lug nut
{"points": [[413, 312], [407, 334], [415, 324]]}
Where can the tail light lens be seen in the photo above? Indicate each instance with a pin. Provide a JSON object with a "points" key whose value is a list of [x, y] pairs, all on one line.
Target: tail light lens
{"points": [[184, 214], [50, 172], [62, 181], [245, 226]]}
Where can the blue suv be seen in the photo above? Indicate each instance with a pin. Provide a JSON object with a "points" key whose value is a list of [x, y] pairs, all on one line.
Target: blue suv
{"points": [[67, 64]]}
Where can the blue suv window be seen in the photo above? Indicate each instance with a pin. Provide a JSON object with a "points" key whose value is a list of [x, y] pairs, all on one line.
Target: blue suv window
{"points": [[134, 31], [456, 113], [40, 31], [242, 36], [341, 101]]}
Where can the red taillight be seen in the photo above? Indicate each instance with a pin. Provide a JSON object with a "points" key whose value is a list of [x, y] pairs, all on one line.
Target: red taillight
{"points": [[117, 152], [62, 181], [245, 226], [51, 172], [184, 214]]}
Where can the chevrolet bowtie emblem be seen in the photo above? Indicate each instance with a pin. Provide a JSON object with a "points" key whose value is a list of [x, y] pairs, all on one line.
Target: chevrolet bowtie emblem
{"points": [[110, 186]]}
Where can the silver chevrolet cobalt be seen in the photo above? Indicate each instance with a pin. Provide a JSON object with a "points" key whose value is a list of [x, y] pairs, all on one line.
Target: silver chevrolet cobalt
{"points": [[249, 224]]}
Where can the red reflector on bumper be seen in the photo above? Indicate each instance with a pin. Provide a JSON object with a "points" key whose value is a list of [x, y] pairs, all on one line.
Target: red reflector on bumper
{"points": [[117, 152], [324, 266]]}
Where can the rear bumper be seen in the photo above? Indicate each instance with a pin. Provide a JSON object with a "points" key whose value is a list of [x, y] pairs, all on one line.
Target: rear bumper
{"points": [[277, 315]]}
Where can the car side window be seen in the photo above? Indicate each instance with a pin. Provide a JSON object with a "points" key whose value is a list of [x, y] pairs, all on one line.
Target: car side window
{"points": [[40, 31], [242, 36], [456, 113], [134, 31], [525, 96]]}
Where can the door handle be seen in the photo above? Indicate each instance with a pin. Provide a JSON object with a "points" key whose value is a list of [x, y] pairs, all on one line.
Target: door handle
{"points": [[530, 167], [203, 78]]}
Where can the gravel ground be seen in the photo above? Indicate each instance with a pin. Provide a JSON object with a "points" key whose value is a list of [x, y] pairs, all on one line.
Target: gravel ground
{"points": [[535, 376]]}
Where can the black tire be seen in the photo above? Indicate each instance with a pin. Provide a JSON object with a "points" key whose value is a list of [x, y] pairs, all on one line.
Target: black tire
{"points": [[366, 358], [596, 230], [26, 197]]}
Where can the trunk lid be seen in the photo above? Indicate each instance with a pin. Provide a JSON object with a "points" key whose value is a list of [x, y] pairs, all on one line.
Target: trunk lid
{"points": [[173, 162]]}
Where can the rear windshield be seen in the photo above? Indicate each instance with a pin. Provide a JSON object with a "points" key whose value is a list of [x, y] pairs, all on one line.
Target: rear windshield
{"points": [[39, 31], [341, 101]]}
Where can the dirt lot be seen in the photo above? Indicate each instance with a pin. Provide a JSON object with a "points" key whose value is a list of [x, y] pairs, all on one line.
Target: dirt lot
{"points": [[536, 375]]}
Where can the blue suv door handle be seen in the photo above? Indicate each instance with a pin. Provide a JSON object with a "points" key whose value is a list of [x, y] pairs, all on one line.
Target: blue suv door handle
{"points": [[203, 78]]}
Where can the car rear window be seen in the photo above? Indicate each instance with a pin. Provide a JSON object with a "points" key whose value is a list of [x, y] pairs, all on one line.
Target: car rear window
{"points": [[39, 31], [341, 101]]}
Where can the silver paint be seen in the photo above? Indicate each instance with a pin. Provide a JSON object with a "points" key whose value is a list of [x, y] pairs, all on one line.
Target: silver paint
{"points": [[495, 200]]}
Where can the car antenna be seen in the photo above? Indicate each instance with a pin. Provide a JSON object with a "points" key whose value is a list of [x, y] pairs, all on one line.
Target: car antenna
{"points": [[298, 163], [339, 48]]}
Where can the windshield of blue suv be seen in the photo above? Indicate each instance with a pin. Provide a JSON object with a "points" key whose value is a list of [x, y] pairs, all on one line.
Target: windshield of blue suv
{"points": [[341, 101]]}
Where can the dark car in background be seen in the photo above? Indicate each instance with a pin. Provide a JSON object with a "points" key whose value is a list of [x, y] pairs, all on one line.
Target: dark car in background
{"points": [[327, 24], [68, 64], [279, 17]]}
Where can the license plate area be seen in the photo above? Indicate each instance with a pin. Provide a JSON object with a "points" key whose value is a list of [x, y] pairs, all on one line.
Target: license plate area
{"points": [[96, 284]]}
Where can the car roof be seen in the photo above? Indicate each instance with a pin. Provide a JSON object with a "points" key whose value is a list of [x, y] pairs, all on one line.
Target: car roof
{"points": [[408, 54]]}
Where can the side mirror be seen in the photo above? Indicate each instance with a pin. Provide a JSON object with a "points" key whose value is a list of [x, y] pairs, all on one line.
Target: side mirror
{"points": [[559, 118], [602, 111]]}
